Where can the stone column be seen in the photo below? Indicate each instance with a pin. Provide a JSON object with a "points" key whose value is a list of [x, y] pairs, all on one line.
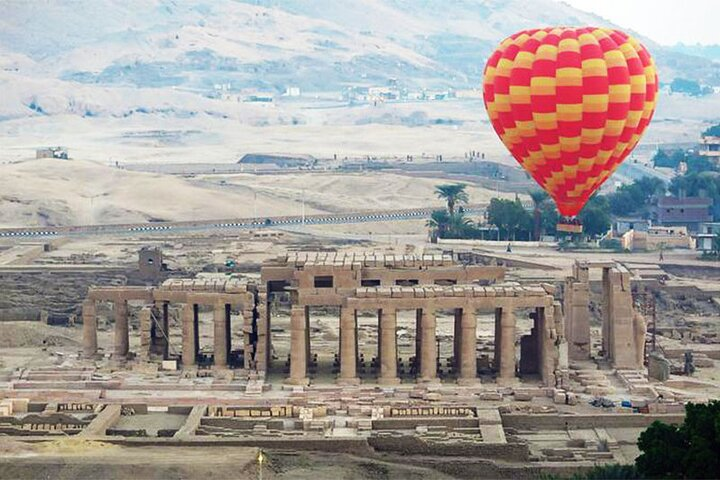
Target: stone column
{"points": [[145, 317], [388, 347], [189, 349], [507, 346], [457, 339], [623, 350], [308, 350], [298, 352], [418, 339], [220, 340], [122, 341], [428, 347], [165, 334], [468, 346], [89, 316], [348, 349], [196, 328], [577, 313], [498, 340], [249, 333]]}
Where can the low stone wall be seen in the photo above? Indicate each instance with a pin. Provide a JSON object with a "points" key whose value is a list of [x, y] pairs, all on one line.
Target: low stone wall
{"points": [[412, 445], [352, 446], [409, 423], [20, 314], [522, 421], [241, 423]]}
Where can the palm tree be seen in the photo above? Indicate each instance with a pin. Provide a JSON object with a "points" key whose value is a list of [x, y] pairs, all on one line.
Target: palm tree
{"points": [[538, 197], [439, 221], [458, 225], [453, 194]]}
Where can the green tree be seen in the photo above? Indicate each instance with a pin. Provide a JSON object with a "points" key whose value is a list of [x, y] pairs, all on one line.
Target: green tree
{"points": [[688, 451], [661, 159], [636, 197], [670, 160], [538, 197], [510, 217], [549, 217], [690, 87], [438, 222], [595, 217], [453, 194], [663, 447], [460, 227], [713, 131], [457, 225]]}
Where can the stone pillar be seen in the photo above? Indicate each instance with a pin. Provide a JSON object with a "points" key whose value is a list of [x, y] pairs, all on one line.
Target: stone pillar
{"points": [[89, 316], [298, 351], [196, 329], [560, 361], [388, 347], [246, 319], [498, 340], [122, 340], [418, 339], [468, 346], [145, 317], [220, 340], [457, 339], [428, 347], [348, 347], [189, 348], [165, 334], [577, 313], [606, 308], [308, 350], [263, 346], [624, 352], [228, 329], [507, 346]]}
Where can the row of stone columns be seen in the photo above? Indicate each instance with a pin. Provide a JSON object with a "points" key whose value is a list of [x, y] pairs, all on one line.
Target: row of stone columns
{"points": [[190, 331], [426, 354]]}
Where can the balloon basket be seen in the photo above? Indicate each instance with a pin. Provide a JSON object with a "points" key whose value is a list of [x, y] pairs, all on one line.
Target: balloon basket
{"points": [[569, 226]]}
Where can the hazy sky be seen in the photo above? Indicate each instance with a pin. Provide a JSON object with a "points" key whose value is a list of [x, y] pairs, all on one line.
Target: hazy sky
{"points": [[665, 21]]}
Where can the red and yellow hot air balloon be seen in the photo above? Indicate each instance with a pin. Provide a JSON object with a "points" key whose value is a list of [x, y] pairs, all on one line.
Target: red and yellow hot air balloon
{"points": [[570, 104]]}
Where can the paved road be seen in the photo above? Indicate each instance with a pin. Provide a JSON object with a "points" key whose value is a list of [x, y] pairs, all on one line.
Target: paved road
{"points": [[237, 223]]}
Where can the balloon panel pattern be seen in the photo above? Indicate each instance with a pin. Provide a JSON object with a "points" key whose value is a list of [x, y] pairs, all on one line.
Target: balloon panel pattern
{"points": [[570, 104]]}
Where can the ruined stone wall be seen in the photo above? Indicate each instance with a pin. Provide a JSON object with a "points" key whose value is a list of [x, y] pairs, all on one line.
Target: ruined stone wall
{"points": [[600, 420], [413, 445], [60, 293]]}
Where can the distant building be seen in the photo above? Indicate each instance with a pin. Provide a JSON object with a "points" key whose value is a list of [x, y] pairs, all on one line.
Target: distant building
{"points": [[150, 263], [292, 92], [707, 232], [686, 211], [52, 152], [279, 160], [383, 93], [260, 98], [657, 238], [623, 225], [710, 147]]}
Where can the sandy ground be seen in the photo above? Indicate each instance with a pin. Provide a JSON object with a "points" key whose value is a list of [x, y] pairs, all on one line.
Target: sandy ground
{"points": [[54, 192], [79, 459]]}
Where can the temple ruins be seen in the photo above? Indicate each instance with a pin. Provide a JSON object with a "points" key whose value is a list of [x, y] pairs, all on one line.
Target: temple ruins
{"points": [[384, 285]]}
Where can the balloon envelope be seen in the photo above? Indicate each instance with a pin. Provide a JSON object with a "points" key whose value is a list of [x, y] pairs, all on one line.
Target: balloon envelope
{"points": [[570, 104]]}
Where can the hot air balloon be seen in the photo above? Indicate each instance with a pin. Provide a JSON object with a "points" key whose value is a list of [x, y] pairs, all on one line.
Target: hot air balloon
{"points": [[570, 104]]}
